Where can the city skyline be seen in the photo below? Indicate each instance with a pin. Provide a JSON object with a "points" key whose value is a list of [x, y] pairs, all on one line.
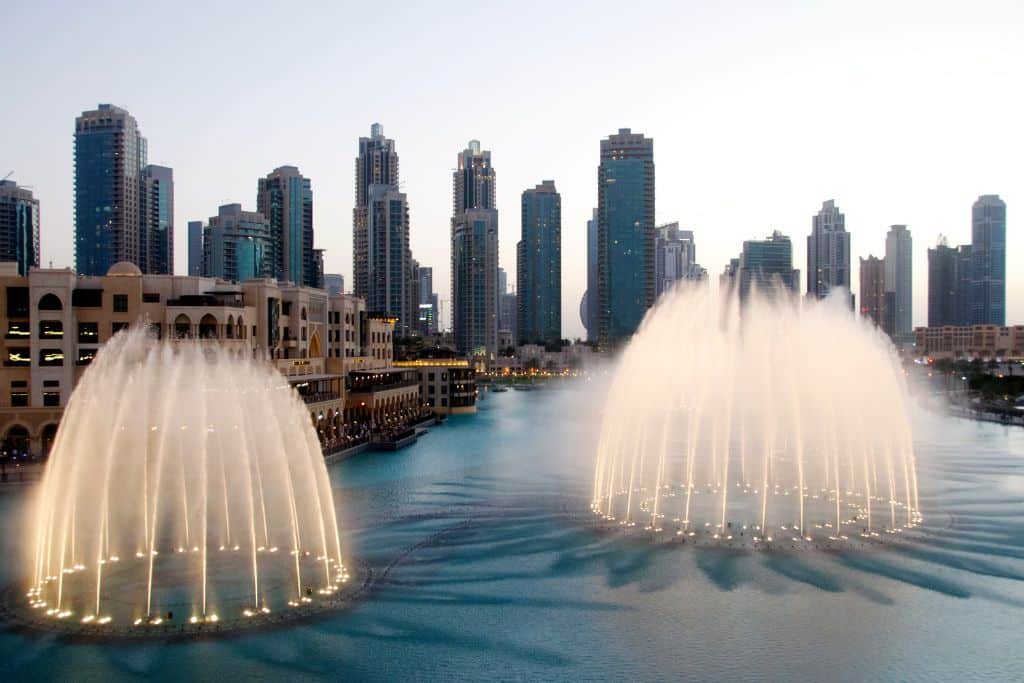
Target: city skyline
{"points": [[919, 72]]}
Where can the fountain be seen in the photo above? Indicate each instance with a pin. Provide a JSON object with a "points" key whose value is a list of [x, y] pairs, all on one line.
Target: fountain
{"points": [[186, 491], [772, 423]]}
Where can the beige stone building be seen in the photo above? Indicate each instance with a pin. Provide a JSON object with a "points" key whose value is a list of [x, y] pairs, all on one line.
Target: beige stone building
{"points": [[974, 341], [54, 322]]}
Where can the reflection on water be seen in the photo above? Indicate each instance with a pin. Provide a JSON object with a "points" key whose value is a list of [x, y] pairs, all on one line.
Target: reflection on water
{"points": [[488, 572]]}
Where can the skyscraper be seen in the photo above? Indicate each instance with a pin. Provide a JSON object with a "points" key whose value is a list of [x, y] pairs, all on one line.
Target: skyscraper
{"points": [[156, 215], [767, 266], [238, 245], [589, 307], [427, 313], [19, 226], [899, 283], [334, 283], [942, 285], [539, 266], [285, 198], [110, 154], [195, 248], [675, 257], [964, 268], [988, 261], [625, 199], [828, 253], [474, 253], [381, 256], [872, 289]]}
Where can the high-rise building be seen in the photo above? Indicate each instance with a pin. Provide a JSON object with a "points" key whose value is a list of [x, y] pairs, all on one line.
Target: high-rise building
{"points": [[427, 305], [382, 259], [539, 266], [988, 261], [943, 281], [156, 215], [474, 253], [110, 154], [625, 199], [502, 281], [388, 258], [872, 289], [964, 268], [589, 307], [675, 257], [19, 226], [195, 248], [285, 198], [334, 283], [899, 283], [238, 245], [767, 266], [828, 253]]}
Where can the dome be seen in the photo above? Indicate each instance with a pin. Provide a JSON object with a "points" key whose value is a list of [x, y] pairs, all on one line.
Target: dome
{"points": [[124, 269]]}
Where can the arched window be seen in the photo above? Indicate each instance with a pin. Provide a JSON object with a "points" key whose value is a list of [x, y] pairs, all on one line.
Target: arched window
{"points": [[229, 329], [15, 441], [50, 302], [302, 313], [182, 327], [49, 436], [208, 327], [240, 332]]}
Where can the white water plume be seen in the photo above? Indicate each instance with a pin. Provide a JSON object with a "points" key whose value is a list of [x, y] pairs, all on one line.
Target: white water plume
{"points": [[768, 421]]}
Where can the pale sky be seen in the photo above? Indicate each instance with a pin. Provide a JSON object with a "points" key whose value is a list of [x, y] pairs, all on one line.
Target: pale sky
{"points": [[901, 112]]}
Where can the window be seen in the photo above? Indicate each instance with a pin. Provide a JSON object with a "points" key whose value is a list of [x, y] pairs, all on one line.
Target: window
{"points": [[18, 357], [430, 388], [303, 334], [88, 333], [50, 302], [87, 298], [431, 377], [117, 327], [16, 330], [51, 329], [48, 383], [19, 399], [51, 398], [120, 303], [154, 330], [444, 388], [51, 357], [85, 356], [17, 302], [151, 297], [19, 384], [444, 403]]}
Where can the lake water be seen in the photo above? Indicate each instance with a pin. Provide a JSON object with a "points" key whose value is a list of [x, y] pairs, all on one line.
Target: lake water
{"points": [[492, 577]]}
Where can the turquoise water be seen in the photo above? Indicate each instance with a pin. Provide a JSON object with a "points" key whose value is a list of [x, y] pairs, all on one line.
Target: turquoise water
{"points": [[492, 578]]}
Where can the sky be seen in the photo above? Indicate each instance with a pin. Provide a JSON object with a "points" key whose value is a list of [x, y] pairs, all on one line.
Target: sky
{"points": [[903, 112]]}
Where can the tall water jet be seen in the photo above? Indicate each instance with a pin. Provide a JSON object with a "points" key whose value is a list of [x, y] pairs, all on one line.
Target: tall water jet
{"points": [[186, 486], [815, 394]]}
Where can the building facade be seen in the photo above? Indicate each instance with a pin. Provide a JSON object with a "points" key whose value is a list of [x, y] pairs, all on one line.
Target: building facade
{"points": [[899, 283], [766, 266], [474, 253], [625, 197], [285, 198], [828, 253], [195, 248], [19, 226], [156, 216], [589, 307], [238, 245], [970, 342], [334, 283], [988, 261], [872, 289], [110, 154], [539, 266], [943, 282]]}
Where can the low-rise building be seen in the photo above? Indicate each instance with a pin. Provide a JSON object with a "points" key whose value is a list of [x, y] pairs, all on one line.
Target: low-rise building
{"points": [[970, 341], [54, 322], [447, 385]]}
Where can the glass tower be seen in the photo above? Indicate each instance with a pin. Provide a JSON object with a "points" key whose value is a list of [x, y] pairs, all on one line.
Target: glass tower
{"points": [[539, 266], [285, 198], [899, 283], [110, 154], [238, 245], [828, 253], [19, 226], [156, 212], [625, 197], [988, 261]]}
